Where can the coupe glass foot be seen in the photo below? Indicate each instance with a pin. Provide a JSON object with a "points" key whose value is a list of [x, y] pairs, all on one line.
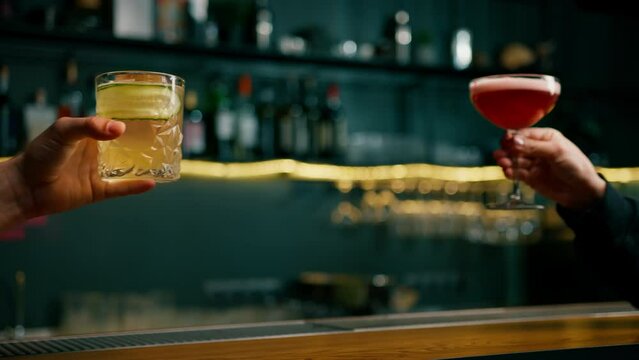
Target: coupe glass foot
{"points": [[513, 204]]}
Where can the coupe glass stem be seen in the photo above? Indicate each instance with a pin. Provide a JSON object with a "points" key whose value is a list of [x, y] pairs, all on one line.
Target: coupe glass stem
{"points": [[516, 193]]}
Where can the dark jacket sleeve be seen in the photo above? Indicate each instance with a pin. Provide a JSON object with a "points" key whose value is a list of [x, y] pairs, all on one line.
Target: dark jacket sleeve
{"points": [[607, 240]]}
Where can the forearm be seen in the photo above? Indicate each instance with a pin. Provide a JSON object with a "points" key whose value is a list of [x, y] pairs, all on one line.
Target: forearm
{"points": [[607, 239], [13, 197]]}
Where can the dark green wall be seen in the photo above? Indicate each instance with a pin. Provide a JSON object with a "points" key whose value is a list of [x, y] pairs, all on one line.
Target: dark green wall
{"points": [[180, 235]]}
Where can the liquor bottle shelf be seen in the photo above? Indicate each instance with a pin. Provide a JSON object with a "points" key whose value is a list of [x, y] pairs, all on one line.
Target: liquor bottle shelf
{"points": [[69, 40]]}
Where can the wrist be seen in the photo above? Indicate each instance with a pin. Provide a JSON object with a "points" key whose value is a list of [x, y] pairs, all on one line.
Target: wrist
{"points": [[598, 188], [595, 192], [590, 195]]}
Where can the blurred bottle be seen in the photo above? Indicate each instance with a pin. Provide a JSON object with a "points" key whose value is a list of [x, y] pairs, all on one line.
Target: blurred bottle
{"points": [[19, 330], [6, 10], [545, 53], [301, 129], [461, 49], [253, 25], [313, 112], [324, 133], [39, 115], [88, 15], [263, 25], [334, 131], [6, 138], [266, 112], [290, 111], [236, 21], [397, 37], [341, 125], [10, 133], [45, 15], [134, 19], [225, 132], [171, 20], [194, 127], [203, 28], [426, 52], [403, 37], [215, 93], [89, 96], [71, 100], [248, 132]]}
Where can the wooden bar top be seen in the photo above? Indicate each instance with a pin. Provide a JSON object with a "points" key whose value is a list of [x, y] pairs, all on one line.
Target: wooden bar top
{"points": [[434, 340]]}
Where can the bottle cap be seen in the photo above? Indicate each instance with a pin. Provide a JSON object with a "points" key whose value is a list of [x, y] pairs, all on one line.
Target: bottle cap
{"points": [[332, 91], [245, 85], [402, 17], [21, 278], [72, 72], [4, 79], [190, 100], [41, 96]]}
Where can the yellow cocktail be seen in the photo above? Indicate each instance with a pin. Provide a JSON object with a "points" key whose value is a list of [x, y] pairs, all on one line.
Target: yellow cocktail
{"points": [[150, 104]]}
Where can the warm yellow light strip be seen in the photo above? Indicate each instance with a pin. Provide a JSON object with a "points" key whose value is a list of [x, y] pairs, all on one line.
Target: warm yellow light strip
{"points": [[256, 170], [319, 172], [620, 175], [297, 170]]}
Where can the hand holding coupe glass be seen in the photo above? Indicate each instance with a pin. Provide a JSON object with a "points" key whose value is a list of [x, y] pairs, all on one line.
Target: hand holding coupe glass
{"points": [[514, 102], [553, 166]]}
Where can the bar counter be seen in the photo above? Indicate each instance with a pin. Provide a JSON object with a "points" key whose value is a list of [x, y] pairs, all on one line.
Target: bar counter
{"points": [[548, 332]]}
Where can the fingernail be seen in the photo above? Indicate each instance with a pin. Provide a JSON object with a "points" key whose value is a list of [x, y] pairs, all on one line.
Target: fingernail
{"points": [[519, 140], [115, 127]]}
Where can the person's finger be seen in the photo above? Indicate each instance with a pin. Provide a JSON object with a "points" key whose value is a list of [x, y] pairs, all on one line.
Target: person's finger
{"points": [[504, 163], [500, 154], [522, 174], [504, 159], [543, 149], [68, 130], [56, 145], [511, 144], [518, 138], [545, 143], [524, 162], [127, 187], [508, 172], [537, 133]]}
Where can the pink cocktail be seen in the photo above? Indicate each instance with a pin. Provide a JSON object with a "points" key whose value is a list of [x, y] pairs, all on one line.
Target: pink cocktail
{"points": [[514, 102]]}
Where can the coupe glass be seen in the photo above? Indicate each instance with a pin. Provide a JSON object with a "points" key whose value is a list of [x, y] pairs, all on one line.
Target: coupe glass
{"points": [[513, 102]]}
